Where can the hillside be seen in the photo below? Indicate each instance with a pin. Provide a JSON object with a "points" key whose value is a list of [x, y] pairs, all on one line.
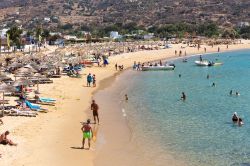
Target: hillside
{"points": [[105, 12]]}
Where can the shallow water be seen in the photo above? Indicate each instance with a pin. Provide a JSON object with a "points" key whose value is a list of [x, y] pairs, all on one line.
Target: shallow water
{"points": [[199, 130]]}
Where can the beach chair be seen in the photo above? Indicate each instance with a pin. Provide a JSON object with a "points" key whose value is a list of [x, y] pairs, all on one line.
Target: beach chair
{"points": [[45, 99], [33, 106], [18, 112]]}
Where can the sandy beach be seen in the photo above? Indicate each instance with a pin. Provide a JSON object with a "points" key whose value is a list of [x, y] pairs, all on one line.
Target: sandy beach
{"points": [[54, 138]]}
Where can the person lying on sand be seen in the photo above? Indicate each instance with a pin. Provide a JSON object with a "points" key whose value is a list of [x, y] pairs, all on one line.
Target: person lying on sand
{"points": [[5, 141]]}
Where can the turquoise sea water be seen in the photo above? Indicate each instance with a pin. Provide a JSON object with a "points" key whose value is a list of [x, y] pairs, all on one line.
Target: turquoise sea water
{"points": [[198, 131]]}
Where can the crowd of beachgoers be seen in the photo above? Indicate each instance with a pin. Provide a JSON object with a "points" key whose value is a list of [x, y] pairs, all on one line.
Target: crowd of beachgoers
{"points": [[23, 73]]}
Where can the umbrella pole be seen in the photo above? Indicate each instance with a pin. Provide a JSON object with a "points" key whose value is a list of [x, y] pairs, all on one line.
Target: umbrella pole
{"points": [[3, 106], [37, 88], [38, 85]]}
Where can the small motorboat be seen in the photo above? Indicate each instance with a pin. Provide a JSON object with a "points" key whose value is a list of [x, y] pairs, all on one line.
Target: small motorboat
{"points": [[155, 68], [202, 63], [217, 63]]}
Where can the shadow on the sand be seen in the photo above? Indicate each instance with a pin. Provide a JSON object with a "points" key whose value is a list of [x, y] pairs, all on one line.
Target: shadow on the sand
{"points": [[83, 123], [77, 148]]}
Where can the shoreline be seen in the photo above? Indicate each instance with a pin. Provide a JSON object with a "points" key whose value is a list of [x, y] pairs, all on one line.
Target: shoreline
{"points": [[105, 87], [56, 148], [123, 143]]}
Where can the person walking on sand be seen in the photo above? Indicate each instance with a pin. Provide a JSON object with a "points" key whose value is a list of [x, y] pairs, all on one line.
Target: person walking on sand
{"points": [[126, 97], [180, 53], [116, 66], [94, 80], [95, 108], [87, 133], [89, 80]]}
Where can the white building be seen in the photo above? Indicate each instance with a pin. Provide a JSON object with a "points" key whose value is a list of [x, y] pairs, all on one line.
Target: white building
{"points": [[243, 24], [55, 33], [69, 37], [115, 35], [46, 19], [148, 36], [3, 33]]}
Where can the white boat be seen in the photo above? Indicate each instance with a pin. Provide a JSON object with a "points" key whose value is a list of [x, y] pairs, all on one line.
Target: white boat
{"points": [[217, 64], [155, 68], [202, 63], [207, 63]]}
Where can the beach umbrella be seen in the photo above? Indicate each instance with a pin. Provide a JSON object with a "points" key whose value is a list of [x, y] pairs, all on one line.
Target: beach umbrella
{"points": [[15, 65], [5, 88], [26, 70], [23, 75], [22, 82]]}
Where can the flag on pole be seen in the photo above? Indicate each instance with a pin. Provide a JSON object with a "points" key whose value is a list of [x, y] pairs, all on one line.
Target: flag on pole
{"points": [[8, 40], [40, 38]]}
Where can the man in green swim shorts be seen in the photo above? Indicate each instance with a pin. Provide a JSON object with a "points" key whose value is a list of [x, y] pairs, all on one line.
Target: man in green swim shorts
{"points": [[87, 133]]}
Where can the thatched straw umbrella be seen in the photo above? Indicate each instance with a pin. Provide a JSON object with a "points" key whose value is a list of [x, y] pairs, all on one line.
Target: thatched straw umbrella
{"points": [[22, 82], [5, 88]]}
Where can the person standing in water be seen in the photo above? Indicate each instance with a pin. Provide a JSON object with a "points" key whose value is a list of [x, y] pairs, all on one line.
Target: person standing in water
{"points": [[213, 85], [208, 76], [235, 118], [95, 108], [201, 58], [240, 122], [87, 133], [231, 92], [183, 97]]}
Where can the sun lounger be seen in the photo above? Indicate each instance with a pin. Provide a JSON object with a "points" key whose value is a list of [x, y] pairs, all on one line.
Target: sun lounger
{"points": [[45, 99], [46, 103], [4, 101], [33, 106], [54, 76], [17, 112], [45, 81]]}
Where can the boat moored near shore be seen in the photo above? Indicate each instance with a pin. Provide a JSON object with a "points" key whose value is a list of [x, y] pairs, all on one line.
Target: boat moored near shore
{"points": [[155, 68]]}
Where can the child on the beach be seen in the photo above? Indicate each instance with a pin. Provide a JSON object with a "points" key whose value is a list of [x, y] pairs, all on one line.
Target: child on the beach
{"points": [[94, 80]]}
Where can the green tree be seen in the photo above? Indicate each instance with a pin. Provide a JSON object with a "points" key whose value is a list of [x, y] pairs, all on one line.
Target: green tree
{"points": [[46, 33], [230, 33], [39, 32], [15, 36]]}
